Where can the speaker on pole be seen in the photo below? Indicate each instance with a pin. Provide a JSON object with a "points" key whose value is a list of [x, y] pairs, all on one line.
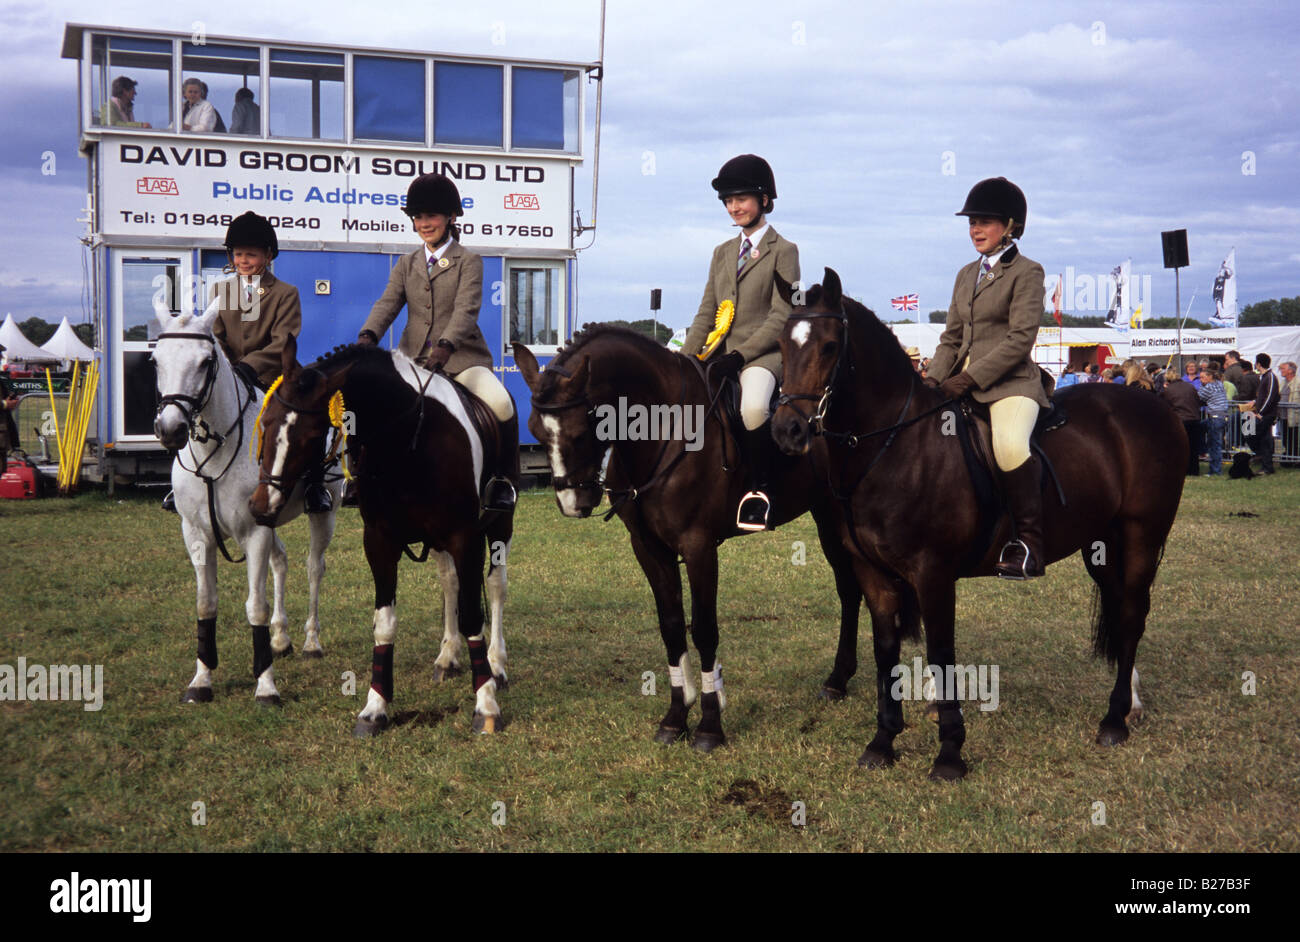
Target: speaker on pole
{"points": [[1175, 246]]}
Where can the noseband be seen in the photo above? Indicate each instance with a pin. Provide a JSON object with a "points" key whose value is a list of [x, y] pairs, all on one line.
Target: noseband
{"points": [[564, 483], [192, 406]]}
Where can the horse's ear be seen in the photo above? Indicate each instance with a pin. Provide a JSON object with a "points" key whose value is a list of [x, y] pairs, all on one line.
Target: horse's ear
{"points": [[579, 378], [527, 364], [784, 289], [209, 316], [832, 291], [289, 358]]}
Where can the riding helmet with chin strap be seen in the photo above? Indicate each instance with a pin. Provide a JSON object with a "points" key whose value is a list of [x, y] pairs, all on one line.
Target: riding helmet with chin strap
{"points": [[433, 193], [744, 175], [999, 198], [252, 231]]}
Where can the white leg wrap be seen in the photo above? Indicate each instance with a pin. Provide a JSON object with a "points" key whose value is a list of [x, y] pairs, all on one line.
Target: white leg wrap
{"points": [[202, 676], [375, 706], [689, 693], [711, 682]]}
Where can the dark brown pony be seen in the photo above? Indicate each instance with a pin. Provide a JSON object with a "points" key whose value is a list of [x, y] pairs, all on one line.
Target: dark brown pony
{"points": [[419, 458], [675, 499], [911, 519]]}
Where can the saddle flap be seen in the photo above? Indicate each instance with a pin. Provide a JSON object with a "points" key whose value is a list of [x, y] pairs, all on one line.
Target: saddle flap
{"points": [[485, 424]]}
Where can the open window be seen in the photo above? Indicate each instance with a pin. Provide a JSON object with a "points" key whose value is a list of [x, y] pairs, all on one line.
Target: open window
{"points": [[131, 82], [306, 94], [229, 78]]}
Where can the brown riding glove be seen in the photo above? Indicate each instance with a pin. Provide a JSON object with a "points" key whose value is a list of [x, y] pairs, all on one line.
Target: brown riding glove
{"points": [[439, 355], [954, 387]]}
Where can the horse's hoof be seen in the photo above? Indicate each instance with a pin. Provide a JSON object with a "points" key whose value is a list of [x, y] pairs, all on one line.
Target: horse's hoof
{"points": [[488, 724], [832, 694], [315, 654], [932, 711], [671, 734], [948, 771], [874, 758], [443, 674], [502, 681], [366, 729], [287, 652], [1110, 736], [1134, 717], [273, 700], [707, 742], [197, 695]]}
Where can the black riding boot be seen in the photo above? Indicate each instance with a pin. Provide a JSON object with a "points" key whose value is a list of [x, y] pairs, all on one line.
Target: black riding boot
{"points": [[1022, 558], [169, 502], [315, 496], [500, 492], [755, 508]]}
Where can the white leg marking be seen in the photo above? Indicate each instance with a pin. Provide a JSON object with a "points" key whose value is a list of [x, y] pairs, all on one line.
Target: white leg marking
{"points": [[1135, 711], [280, 640], [800, 333], [496, 592], [375, 706], [385, 625], [485, 700], [449, 653], [202, 676]]}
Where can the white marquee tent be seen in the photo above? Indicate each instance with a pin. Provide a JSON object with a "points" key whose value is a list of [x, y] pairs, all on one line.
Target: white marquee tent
{"points": [[66, 345], [18, 348]]}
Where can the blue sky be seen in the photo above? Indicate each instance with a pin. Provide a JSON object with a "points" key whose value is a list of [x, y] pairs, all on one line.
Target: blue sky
{"points": [[1119, 121]]}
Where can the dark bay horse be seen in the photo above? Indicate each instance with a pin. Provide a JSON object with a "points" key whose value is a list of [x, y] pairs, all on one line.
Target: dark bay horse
{"points": [[676, 491], [911, 520], [418, 456]]}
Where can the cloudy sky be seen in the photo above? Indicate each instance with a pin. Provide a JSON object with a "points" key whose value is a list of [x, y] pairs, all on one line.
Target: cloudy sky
{"points": [[1118, 121]]}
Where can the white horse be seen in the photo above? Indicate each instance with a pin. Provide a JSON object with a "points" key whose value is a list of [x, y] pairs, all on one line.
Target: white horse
{"points": [[207, 415]]}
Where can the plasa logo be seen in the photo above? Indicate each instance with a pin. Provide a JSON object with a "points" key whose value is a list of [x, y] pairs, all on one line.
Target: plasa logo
{"points": [[522, 201], [157, 186]]}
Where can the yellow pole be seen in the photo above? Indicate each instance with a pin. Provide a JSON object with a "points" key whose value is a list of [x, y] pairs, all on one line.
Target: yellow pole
{"points": [[69, 427], [89, 390], [49, 386]]}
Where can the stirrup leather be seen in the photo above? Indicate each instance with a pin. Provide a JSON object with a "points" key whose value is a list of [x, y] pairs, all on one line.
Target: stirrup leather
{"points": [[759, 499]]}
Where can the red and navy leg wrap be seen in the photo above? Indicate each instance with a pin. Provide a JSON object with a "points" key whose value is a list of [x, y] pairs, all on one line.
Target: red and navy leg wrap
{"points": [[381, 672], [479, 663], [208, 642], [261, 649]]}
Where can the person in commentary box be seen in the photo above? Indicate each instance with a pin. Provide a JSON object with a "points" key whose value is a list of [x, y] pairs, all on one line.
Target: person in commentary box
{"points": [[258, 314], [441, 286]]}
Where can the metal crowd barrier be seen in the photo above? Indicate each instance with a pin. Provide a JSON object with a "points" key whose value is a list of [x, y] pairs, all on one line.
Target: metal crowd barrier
{"points": [[1286, 431], [34, 418]]}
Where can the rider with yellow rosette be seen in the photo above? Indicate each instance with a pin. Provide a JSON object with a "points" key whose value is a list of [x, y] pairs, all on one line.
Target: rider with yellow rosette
{"points": [[738, 326]]}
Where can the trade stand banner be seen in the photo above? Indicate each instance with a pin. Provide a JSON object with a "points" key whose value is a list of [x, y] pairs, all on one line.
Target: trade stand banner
{"points": [[161, 187]]}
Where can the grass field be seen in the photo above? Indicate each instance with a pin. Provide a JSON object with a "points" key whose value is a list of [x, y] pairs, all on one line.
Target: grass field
{"points": [[100, 580]]}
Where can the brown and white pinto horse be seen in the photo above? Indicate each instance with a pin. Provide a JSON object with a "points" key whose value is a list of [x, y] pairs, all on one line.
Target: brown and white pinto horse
{"points": [[419, 460], [911, 519], [676, 496]]}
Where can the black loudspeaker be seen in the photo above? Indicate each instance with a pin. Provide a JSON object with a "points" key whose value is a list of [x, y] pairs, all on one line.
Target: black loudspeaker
{"points": [[656, 294], [1175, 246]]}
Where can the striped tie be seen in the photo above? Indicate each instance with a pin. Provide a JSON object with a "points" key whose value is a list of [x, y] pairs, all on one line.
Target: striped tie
{"points": [[429, 265], [744, 252], [986, 270]]}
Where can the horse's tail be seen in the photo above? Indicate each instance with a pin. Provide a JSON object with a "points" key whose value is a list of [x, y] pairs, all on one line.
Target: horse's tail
{"points": [[1106, 641], [909, 614]]}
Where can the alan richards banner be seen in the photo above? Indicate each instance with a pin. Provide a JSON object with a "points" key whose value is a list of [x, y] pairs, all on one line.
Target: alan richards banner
{"points": [[169, 188]]}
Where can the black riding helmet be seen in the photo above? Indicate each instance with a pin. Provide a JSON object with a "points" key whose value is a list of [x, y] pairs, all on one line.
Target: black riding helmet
{"points": [[746, 174], [433, 193], [998, 198], [253, 230]]}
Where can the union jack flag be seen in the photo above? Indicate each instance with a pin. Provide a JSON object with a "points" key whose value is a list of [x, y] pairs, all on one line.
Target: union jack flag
{"points": [[906, 302]]}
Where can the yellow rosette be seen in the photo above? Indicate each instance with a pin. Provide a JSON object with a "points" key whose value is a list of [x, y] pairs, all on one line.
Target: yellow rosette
{"points": [[721, 324]]}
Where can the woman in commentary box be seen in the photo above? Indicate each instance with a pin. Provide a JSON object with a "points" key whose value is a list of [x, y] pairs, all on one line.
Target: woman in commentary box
{"points": [[984, 352], [441, 285], [738, 326]]}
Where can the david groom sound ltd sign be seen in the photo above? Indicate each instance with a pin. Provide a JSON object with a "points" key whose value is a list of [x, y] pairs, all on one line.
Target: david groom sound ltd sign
{"points": [[159, 188]]}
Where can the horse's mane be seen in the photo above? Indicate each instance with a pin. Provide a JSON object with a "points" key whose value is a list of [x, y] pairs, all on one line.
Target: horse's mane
{"points": [[344, 355], [595, 331]]}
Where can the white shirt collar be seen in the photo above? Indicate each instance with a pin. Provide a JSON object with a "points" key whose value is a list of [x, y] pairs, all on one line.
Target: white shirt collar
{"points": [[442, 250], [993, 259], [757, 237]]}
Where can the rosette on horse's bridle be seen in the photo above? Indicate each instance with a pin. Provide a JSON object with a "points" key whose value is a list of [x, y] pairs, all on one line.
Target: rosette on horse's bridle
{"points": [[334, 410]]}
